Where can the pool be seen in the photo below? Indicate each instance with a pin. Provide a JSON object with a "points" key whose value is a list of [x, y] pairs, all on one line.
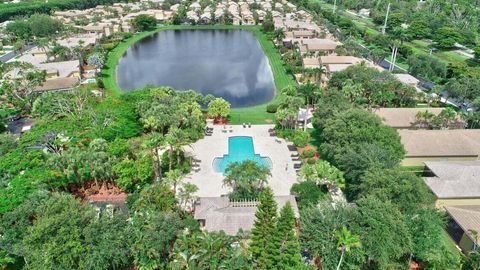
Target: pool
{"points": [[240, 148]]}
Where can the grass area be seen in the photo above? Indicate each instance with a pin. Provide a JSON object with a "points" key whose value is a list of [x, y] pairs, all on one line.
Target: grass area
{"points": [[449, 244], [256, 114]]}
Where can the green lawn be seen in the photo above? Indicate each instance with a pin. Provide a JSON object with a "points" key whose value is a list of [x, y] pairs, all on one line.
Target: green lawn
{"points": [[256, 114]]}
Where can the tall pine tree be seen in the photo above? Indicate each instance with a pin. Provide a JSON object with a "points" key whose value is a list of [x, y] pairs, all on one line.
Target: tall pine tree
{"points": [[264, 231], [289, 247]]}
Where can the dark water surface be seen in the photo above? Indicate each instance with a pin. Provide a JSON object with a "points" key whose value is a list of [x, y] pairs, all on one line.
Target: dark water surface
{"points": [[224, 63]]}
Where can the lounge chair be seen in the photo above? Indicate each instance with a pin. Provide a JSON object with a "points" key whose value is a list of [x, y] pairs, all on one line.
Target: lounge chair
{"points": [[292, 148], [296, 158], [249, 125], [278, 140], [244, 126], [294, 155], [297, 166]]}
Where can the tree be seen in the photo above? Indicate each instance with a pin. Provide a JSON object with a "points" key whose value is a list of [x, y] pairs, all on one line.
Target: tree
{"points": [[144, 22], [362, 156], [383, 231], [354, 127], [322, 173], [246, 178], [55, 240], [218, 108], [262, 245], [154, 237], [204, 250], [289, 249], [96, 60], [426, 227], [7, 143], [367, 86], [133, 174], [472, 261], [477, 53], [20, 29], [318, 235], [186, 195], [406, 190], [43, 25], [427, 67], [174, 177], [446, 37], [153, 198], [155, 143], [346, 241]]}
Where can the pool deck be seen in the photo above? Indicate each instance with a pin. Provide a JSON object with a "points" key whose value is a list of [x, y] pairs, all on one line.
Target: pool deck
{"points": [[210, 183]]}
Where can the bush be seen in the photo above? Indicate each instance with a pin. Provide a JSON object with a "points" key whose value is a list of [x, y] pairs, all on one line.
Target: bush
{"points": [[309, 153], [301, 138], [311, 161], [308, 193], [272, 108]]}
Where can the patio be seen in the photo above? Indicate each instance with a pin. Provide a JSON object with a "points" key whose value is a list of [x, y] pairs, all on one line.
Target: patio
{"points": [[210, 183]]}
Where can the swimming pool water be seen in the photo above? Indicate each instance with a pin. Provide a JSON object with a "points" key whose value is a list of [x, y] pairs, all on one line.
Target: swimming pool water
{"points": [[240, 148]]}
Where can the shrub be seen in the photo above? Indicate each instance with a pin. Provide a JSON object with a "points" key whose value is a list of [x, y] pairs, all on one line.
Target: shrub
{"points": [[301, 138], [272, 108], [311, 161], [308, 193], [309, 153]]}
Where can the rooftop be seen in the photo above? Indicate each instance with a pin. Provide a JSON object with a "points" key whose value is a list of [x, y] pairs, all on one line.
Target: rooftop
{"points": [[454, 179], [57, 84], [336, 59], [220, 214], [441, 143], [403, 117], [466, 216]]}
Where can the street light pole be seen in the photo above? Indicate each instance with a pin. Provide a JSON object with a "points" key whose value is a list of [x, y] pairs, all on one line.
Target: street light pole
{"points": [[386, 19]]}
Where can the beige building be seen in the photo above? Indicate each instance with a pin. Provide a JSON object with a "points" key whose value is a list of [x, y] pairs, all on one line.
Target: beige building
{"points": [[439, 145], [315, 45], [454, 182], [217, 214], [403, 118], [464, 222]]}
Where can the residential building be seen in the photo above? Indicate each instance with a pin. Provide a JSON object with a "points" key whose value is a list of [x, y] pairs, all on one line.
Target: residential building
{"points": [[439, 145], [463, 226], [403, 118], [220, 214]]}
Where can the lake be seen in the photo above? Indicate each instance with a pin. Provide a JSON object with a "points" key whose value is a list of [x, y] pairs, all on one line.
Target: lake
{"points": [[225, 63]]}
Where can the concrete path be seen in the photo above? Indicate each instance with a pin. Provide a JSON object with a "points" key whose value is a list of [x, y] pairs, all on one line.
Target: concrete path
{"points": [[210, 183]]}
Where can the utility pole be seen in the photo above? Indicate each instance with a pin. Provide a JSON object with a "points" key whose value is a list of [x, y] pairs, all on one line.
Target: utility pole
{"points": [[386, 19], [334, 6]]}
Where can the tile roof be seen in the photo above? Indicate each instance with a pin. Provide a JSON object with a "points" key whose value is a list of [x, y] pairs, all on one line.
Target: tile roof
{"points": [[403, 117], [466, 216], [454, 179], [441, 143], [222, 215]]}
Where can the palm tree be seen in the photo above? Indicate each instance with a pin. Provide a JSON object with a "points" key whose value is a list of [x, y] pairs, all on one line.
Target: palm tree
{"points": [[155, 143], [424, 118], [279, 35], [448, 115], [42, 44], [172, 139], [346, 241], [174, 177]]}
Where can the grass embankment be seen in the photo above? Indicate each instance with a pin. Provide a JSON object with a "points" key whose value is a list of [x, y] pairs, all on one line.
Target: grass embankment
{"points": [[256, 114]]}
